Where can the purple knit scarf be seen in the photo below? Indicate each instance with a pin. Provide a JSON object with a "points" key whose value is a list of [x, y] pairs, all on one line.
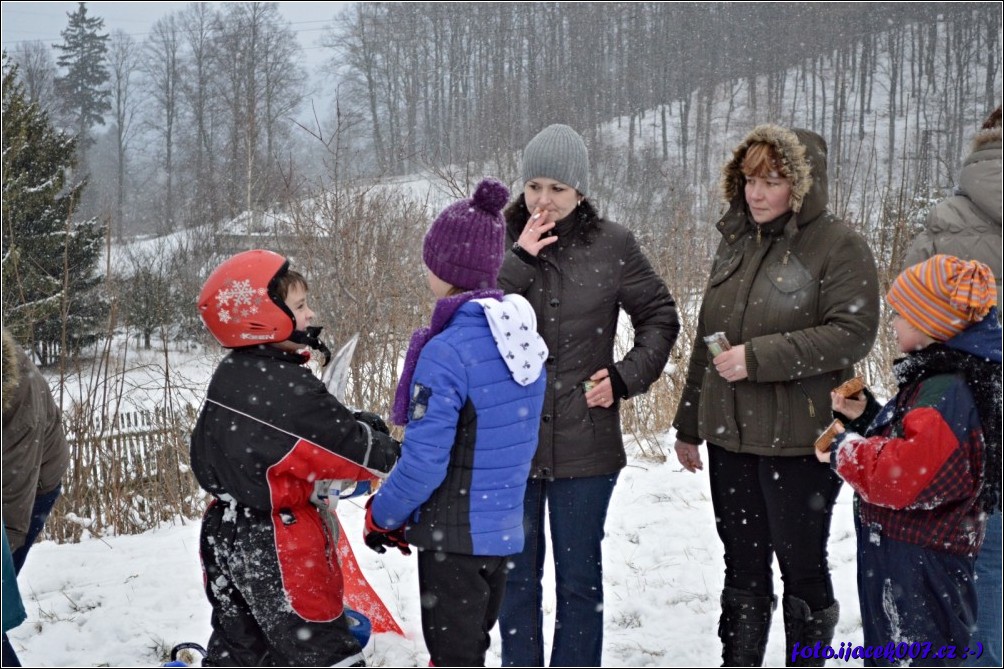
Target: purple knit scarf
{"points": [[441, 315]]}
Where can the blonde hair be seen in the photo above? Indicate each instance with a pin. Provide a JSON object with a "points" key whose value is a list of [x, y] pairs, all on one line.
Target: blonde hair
{"points": [[762, 160]]}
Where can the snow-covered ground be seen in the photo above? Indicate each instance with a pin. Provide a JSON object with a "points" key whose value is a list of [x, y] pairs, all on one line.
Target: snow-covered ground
{"points": [[124, 601]]}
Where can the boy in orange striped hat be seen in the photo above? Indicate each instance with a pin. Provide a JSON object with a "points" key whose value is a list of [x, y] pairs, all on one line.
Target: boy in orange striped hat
{"points": [[926, 467]]}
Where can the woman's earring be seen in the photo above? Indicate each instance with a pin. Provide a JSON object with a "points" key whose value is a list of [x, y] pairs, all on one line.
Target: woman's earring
{"points": [[579, 204]]}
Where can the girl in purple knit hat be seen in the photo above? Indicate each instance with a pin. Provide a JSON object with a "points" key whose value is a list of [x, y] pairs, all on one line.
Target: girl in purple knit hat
{"points": [[470, 399]]}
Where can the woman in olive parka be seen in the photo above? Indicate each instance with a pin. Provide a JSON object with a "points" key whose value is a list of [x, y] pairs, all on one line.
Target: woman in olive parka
{"points": [[796, 293]]}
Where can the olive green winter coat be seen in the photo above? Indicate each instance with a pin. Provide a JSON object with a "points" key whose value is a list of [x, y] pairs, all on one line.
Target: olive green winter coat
{"points": [[800, 292], [35, 452]]}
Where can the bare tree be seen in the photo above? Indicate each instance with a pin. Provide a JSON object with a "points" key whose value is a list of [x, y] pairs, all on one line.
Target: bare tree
{"points": [[261, 83], [196, 89], [123, 64], [162, 64], [36, 70]]}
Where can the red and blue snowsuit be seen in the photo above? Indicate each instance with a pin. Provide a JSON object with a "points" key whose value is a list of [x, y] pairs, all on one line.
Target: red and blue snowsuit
{"points": [[268, 430], [918, 473]]}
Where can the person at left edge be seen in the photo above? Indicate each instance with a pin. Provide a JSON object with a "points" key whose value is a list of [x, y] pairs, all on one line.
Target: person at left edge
{"points": [[35, 457], [13, 607], [268, 432]]}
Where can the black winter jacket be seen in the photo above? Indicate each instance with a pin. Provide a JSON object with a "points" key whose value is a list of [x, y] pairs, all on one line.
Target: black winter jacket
{"points": [[269, 428], [577, 287]]}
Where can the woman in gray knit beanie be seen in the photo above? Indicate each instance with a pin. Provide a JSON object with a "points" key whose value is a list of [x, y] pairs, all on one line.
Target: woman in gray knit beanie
{"points": [[577, 270]]}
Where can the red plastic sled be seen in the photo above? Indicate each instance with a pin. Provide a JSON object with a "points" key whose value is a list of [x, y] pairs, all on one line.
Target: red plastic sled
{"points": [[359, 594]]}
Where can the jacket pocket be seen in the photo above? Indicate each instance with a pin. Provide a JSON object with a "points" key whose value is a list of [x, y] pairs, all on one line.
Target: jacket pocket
{"points": [[789, 275], [727, 261]]}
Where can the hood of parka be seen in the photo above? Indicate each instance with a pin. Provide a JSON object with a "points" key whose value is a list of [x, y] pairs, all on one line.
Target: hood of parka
{"points": [[803, 163], [980, 176]]}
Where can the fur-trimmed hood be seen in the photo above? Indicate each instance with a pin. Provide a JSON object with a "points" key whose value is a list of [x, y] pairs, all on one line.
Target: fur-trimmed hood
{"points": [[803, 161], [987, 138], [11, 369]]}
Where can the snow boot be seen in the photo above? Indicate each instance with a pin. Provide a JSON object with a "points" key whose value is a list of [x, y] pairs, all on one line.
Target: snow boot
{"points": [[807, 627], [744, 626]]}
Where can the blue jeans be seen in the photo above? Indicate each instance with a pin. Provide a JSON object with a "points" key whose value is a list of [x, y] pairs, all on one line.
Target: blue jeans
{"points": [[577, 511], [988, 594], [39, 513]]}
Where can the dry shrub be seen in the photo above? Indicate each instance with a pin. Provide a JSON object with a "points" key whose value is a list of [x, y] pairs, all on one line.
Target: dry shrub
{"points": [[361, 252]]}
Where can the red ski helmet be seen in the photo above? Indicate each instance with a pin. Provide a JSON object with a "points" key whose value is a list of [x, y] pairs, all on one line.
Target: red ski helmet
{"points": [[238, 303]]}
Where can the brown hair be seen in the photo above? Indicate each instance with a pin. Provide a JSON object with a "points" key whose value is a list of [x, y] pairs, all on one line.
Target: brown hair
{"points": [[994, 120], [761, 160], [289, 279]]}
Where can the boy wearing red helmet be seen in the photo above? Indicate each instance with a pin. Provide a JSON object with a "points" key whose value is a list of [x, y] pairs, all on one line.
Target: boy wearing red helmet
{"points": [[268, 431]]}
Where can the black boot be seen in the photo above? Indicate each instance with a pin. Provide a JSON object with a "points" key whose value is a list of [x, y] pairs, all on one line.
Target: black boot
{"points": [[744, 626], [807, 627]]}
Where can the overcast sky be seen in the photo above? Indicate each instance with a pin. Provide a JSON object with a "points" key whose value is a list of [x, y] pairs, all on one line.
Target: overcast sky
{"points": [[44, 21]]}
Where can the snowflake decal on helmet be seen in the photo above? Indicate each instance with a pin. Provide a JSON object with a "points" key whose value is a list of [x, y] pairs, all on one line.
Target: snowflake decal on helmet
{"points": [[238, 300]]}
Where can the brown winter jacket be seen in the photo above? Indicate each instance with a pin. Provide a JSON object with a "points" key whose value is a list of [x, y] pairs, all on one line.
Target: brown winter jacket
{"points": [[577, 287], [802, 295], [35, 453], [968, 224]]}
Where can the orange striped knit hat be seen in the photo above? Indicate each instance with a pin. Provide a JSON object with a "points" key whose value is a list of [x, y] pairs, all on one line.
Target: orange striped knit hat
{"points": [[943, 295]]}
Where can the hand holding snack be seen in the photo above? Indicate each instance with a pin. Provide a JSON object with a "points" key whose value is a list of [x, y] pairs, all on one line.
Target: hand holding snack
{"points": [[731, 365], [848, 398], [850, 387], [825, 440], [717, 343]]}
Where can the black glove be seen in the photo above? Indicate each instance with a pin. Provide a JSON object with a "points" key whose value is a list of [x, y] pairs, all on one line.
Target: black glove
{"points": [[373, 420], [378, 538]]}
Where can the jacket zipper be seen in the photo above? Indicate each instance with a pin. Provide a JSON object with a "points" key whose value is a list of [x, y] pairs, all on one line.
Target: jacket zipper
{"points": [[812, 407]]}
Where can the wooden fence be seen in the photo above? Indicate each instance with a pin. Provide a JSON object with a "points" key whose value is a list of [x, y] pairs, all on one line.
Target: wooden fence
{"points": [[129, 472]]}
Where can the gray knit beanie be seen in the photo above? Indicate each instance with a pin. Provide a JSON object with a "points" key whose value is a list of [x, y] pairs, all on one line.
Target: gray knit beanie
{"points": [[558, 152]]}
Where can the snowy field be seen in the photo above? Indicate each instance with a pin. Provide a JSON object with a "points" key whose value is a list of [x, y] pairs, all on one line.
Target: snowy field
{"points": [[124, 601]]}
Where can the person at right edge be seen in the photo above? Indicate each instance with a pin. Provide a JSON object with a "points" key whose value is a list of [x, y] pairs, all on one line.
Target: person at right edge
{"points": [[579, 271], [920, 466], [796, 293], [967, 225]]}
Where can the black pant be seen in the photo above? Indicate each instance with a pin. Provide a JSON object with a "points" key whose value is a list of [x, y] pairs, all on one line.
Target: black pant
{"points": [[461, 596], [253, 621], [774, 505], [40, 510]]}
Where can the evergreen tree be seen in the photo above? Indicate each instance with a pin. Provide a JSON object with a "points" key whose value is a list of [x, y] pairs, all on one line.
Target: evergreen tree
{"points": [[83, 92], [50, 280]]}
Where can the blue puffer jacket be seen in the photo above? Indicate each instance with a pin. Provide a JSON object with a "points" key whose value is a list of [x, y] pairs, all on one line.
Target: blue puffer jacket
{"points": [[472, 433]]}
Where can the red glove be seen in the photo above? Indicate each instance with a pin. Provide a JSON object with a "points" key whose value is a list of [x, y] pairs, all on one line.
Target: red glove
{"points": [[378, 538]]}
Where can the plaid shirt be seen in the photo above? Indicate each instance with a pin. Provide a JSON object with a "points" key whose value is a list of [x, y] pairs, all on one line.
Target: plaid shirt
{"points": [[918, 469]]}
